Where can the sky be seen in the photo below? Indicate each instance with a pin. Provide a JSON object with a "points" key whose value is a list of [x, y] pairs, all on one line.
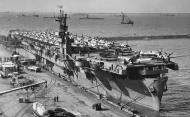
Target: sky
{"points": [[97, 6]]}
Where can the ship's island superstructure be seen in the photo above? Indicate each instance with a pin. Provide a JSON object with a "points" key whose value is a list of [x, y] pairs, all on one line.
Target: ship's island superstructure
{"points": [[105, 68]]}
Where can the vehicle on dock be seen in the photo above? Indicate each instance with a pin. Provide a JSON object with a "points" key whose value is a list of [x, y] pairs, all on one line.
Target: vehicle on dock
{"points": [[121, 75], [8, 69], [18, 81], [27, 62], [34, 68]]}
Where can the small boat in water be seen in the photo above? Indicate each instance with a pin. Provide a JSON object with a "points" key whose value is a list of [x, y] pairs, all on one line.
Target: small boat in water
{"points": [[125, 19]]}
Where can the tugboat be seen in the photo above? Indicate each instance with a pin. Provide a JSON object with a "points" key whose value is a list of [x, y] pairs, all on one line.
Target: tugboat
{"points": [[140, 80]]}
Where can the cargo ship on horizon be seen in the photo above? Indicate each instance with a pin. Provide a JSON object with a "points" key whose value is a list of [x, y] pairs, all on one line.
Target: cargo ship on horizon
{"points": [[87, 17], [110, 70]]}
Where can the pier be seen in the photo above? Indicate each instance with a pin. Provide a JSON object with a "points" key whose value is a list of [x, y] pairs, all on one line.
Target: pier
{"points": [[131, 38]]}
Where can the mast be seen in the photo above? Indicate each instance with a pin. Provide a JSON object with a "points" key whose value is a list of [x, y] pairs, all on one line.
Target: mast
{"points": [[63, 34], [123, 18]]}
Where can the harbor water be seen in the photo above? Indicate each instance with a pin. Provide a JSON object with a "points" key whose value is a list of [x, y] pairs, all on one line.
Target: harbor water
{"points": [[176, 101]]}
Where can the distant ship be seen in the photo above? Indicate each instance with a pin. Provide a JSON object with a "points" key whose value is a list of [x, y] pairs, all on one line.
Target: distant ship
{"points": [[35, 15], [23, 15], [87, 17], [125, 19], [170, 14]]}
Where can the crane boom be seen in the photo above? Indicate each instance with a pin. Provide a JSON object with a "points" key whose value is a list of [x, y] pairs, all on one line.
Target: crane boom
{"points": [[23, 87]]}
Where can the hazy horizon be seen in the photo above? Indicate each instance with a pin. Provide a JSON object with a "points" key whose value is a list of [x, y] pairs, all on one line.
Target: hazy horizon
{"points": [[97, 6], [95, 12]]}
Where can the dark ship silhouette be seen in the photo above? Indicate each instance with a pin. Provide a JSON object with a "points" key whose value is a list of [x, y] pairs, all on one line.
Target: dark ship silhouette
{"points": [[125, 19], [87, 17]]}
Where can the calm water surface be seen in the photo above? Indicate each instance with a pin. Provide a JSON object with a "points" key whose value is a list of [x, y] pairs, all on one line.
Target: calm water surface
{"points": [[176, 101]]}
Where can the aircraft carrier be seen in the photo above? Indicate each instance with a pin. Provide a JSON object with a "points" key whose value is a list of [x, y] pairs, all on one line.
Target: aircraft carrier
{"points": [[108, 69]]}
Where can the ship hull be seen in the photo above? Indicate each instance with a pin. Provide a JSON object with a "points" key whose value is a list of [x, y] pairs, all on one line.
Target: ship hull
{"points": [[120, 89]]}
